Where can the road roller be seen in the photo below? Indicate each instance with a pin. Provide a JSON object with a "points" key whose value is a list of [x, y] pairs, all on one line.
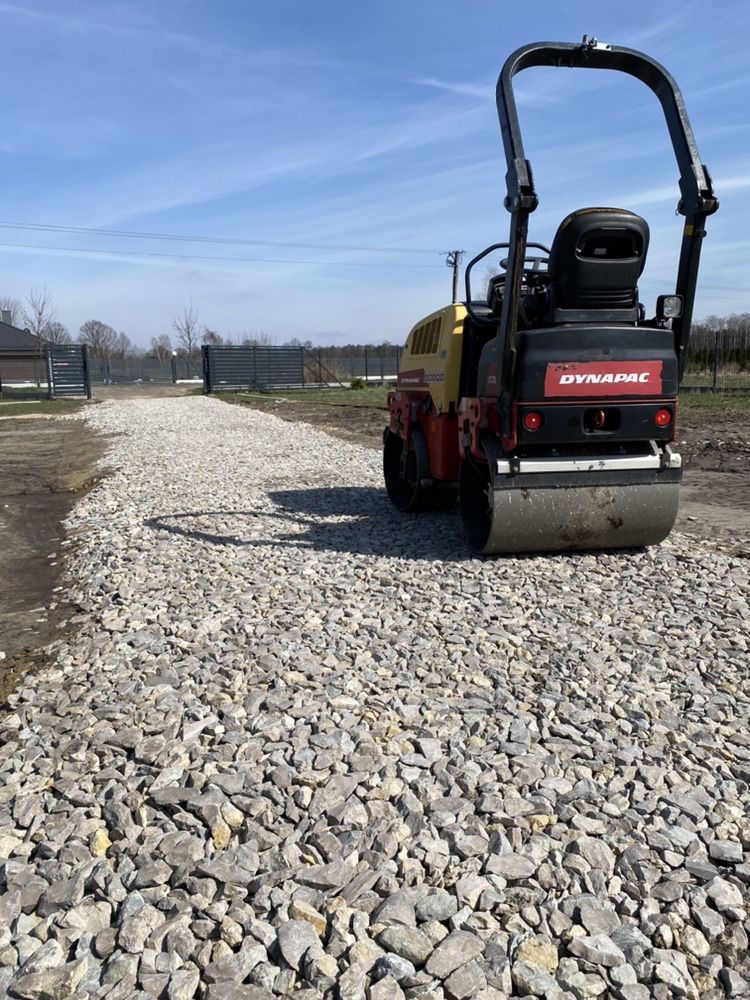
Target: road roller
{"points": [[547, 406]]}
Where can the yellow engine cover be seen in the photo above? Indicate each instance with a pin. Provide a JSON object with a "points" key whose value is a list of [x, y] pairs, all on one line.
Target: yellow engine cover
{"points": [[431, 359]]}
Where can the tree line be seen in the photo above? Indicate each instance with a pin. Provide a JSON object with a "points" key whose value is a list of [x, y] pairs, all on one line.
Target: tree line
{"points": [[37, 314], [729, 336]]}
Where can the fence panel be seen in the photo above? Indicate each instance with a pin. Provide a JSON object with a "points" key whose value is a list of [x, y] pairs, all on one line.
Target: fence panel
{"points": [[116, 370], [68, 370], [715, 364], [327, 367], [227, 369]]}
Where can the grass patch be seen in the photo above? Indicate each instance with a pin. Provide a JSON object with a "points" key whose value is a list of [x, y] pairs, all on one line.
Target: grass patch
{"points": [[26, 392], [725, 380], [47, 407], [729, 403]]}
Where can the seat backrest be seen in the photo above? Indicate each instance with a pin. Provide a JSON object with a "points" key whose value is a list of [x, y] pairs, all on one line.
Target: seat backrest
{"points": [[596, 259]]}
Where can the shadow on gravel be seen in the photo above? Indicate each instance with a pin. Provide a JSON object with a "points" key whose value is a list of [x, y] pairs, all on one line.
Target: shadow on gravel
{"points": [[311, 518]]}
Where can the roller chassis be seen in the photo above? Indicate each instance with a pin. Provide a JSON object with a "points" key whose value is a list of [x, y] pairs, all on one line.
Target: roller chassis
{"points": [[510, 503], [550, 410]]}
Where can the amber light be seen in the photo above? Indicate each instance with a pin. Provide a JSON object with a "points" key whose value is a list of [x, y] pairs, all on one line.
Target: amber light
{"points": [[663, 418], [532, 421]]}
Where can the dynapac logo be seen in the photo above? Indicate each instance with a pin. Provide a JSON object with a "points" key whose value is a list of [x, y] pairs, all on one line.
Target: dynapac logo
{"points": [[592, 379], [603, 378]]}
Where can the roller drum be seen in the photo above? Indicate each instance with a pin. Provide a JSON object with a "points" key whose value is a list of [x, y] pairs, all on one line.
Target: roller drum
{"points": [[501, 520]]}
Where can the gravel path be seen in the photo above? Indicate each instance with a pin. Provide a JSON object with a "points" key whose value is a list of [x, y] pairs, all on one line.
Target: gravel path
{"points": [[303, 743]]}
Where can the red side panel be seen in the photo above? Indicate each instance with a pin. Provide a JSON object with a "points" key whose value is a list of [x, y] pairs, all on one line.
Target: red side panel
{"points": [[441, 435]]}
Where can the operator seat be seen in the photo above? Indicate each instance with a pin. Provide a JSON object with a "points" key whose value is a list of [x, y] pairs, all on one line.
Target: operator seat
{"points": [[596, 259]]}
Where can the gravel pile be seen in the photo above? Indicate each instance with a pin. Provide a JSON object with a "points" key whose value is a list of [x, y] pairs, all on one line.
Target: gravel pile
{"points": [[301, 745]]}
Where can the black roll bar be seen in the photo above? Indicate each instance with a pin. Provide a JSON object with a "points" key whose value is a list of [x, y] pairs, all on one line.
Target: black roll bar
{"points": [[480, 256], [696, 188]]}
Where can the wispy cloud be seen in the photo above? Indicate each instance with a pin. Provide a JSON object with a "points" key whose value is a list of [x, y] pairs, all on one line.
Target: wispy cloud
{"points": [[480, 91], [368, 128]]}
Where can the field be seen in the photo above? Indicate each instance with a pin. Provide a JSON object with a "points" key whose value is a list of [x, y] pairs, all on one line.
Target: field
{"points": [[283, 740]]}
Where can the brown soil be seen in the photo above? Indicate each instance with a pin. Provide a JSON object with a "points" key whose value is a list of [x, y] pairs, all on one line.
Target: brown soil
{"points": [[715, 494], [47, 464]]}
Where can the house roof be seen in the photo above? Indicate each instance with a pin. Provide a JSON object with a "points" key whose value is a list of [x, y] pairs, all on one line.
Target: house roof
{"points": [[13, 339]]}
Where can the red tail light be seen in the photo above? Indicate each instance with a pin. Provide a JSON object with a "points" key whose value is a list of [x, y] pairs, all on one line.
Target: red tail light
{"points": [[663, 418], [532, 421]]}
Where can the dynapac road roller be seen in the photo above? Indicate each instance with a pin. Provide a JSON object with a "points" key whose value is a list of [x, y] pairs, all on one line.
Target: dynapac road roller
{"points": [[550, 407]]}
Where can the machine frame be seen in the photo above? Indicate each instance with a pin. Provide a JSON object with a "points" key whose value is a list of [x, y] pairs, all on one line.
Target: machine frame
{"points": [[484, 406], [696, 187]]}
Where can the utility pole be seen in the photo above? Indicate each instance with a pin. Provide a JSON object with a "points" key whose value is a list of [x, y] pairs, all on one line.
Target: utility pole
{"points": [[453, 259]]}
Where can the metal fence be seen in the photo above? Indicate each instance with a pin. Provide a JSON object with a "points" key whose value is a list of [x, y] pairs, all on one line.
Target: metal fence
{"points": [[67, 370], [243, 367], [715, 365], [114, 370], [368, 366], [227, 369]]}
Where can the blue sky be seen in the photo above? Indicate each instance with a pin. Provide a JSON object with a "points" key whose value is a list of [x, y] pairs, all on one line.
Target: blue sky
{"points": [[338, 125]]}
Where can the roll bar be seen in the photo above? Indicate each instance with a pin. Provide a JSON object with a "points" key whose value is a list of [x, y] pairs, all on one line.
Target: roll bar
{"points": [[697, 199]]}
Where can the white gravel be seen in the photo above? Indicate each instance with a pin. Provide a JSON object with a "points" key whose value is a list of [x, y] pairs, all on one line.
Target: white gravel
{"points": [[299, 744]]}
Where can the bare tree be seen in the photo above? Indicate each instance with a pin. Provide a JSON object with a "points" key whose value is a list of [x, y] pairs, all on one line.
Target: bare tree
{"points": [[256, 338], [39, 312], [123, 345], [100, 337], [161, 347], [188, 329], [57, 333], [12, 306], [212, 337]]}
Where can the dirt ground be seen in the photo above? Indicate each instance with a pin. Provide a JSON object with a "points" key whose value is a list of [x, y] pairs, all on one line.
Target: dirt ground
{"points": [[48, 463], [715, 447]]}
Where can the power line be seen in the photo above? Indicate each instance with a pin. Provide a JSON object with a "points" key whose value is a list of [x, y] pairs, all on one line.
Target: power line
{"points": [[183, 256], [704, 290], [187, 238]]}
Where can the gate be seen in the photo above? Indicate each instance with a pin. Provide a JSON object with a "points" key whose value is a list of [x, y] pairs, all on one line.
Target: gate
{"points": [[233, 369], [68, 370]]}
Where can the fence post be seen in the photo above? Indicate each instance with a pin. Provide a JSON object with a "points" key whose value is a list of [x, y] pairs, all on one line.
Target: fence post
{"points": [[366, 372], [48, 365], [206, 369], [174, 367], [716, 358], [86, 371], [320, 368]]}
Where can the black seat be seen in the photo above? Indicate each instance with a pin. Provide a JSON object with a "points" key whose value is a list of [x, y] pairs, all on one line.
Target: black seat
{"points": [[597, 257]]}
